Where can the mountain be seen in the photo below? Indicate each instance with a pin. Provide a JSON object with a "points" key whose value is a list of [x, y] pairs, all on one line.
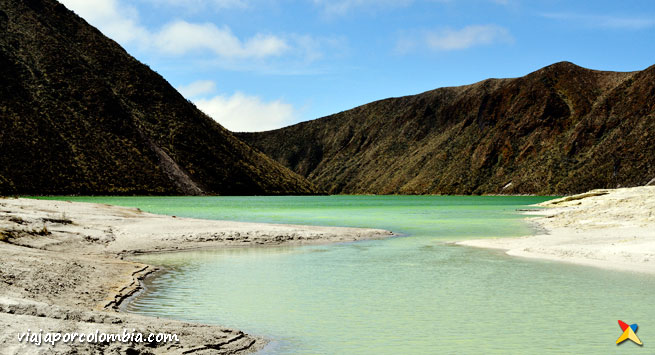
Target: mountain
{"points": [[562, 129], [79, 115]]}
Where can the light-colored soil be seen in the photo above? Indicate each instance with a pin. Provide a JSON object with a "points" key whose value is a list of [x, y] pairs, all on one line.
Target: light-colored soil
{"points": [[613, 229], [63, 268]]}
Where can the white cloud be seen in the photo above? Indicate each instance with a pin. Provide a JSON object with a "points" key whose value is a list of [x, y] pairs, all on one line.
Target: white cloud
{"points": [[239, 112], [115, 20], [121, 23], [181, 37], [197, 88], [605, 21], [243, 113], [469, 36], [452, 39]]}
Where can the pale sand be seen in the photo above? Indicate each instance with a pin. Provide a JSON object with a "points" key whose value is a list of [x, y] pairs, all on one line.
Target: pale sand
{"points": [[73, 278], [612, 229]]}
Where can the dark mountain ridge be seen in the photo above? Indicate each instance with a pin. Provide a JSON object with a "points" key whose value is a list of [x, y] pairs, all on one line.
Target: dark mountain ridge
{"points": [[559, 130], [79, 115]]}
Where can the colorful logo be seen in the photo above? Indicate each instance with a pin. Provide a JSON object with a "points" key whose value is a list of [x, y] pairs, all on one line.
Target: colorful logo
{"points": [[629, 332]]}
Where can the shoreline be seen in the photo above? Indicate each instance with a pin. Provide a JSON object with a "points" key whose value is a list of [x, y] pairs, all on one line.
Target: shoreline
{"points": [[612, 229], [66, 268]]}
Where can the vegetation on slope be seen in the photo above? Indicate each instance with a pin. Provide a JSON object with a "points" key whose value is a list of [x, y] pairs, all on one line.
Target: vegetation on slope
{"points": [[79, 115], [560, 130]]}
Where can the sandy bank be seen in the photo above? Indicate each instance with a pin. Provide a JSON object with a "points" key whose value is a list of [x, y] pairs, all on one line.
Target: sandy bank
{"points": [[62, 270], [613, 229]]}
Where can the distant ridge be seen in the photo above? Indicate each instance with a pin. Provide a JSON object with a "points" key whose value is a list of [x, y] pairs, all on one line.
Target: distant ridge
{"points": [[562, 129], [79, 115]]}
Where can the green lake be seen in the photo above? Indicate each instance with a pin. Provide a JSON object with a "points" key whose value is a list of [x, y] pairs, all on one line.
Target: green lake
{"points": [[412, 294]]}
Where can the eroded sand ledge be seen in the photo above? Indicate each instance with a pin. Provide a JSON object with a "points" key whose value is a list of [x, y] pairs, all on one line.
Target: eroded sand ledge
{"points": [[613, 229], [71, 276]]}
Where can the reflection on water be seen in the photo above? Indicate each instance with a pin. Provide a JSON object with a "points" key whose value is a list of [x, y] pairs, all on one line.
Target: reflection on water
{"points": [[416, 294]]}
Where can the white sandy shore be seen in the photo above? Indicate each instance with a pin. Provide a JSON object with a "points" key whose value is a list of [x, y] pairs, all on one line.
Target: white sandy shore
{"points": [[62, 269], [613, 229]]}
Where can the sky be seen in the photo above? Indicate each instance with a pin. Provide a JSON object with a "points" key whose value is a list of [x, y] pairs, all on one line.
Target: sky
{"points": [[256, 65]]}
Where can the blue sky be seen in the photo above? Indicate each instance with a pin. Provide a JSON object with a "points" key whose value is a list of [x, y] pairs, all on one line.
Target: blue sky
{"points": [[263, 64]]}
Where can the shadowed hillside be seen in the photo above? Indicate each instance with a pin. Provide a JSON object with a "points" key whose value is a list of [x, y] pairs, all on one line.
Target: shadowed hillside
{"points": [[559, 130], [79, 115]]}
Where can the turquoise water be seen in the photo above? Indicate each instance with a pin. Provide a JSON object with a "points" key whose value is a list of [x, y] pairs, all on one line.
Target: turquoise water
{"points": [[416, 294]]}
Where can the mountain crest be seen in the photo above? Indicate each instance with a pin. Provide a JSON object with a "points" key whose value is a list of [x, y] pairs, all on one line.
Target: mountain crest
{"points": [[78, 115], [559, 130]]}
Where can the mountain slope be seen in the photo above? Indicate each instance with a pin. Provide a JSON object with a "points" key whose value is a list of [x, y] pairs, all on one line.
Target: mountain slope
{"points": [[79, 115], [559, 130]]}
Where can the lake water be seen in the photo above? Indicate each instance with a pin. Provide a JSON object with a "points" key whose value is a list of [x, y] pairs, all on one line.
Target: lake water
{"points": [[414, 294]]}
